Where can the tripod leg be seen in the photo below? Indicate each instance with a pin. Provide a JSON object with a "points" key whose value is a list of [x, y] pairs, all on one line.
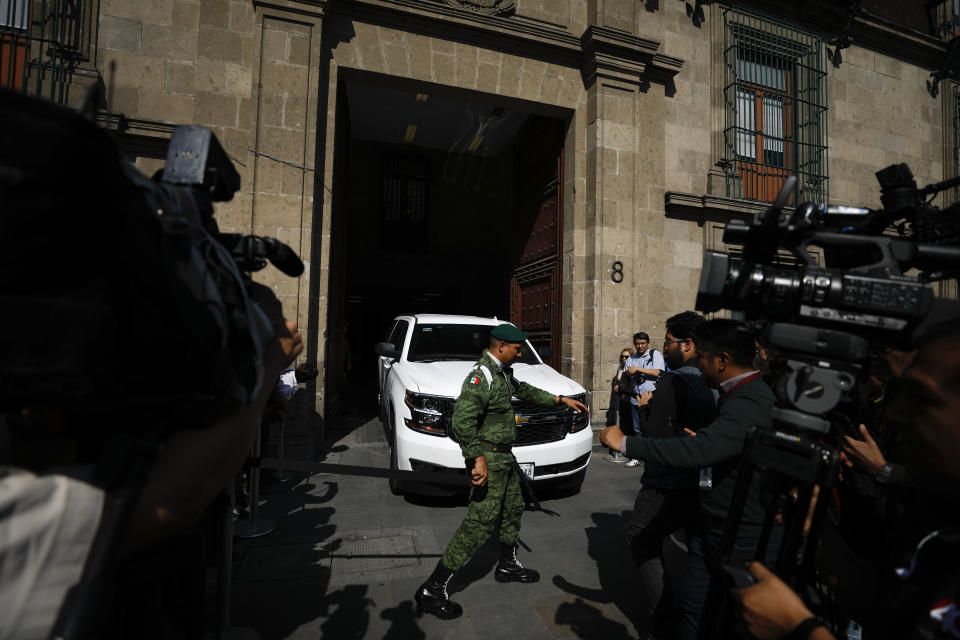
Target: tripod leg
{"points": [[717, 603], [768, 521], [786, 565]]}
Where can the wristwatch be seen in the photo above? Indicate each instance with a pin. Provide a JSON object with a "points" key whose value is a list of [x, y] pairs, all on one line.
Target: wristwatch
{"points": [[802, 631], [884, 474]]}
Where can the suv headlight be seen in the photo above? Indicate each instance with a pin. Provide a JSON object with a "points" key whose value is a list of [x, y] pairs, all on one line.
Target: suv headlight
{"points": [[429, 414], [579, 421]]}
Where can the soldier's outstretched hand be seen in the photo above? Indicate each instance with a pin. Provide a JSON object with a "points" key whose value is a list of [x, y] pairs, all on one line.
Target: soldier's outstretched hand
{"points": [[576, 405], [479, 473]]}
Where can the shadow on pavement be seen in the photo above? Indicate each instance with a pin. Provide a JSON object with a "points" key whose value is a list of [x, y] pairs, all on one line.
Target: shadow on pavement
{"points": [[403, 625], [345, 425], [282, 581], [587, 621], [281, 586], [351, 618], [606, 544]]}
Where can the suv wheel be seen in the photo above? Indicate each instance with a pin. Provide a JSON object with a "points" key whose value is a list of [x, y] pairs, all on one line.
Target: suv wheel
{"points": [[382, 416], [394, 482], [395, 488]]}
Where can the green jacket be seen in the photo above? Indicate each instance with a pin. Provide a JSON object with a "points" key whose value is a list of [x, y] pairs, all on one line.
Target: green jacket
{"points": [[718, 445], [484, 412]]}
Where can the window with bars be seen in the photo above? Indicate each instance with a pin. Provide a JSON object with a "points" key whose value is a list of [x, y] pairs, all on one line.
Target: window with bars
{"points": [[775, 92], [41, 43], [956, 138], [944, 18], [403, 211]]}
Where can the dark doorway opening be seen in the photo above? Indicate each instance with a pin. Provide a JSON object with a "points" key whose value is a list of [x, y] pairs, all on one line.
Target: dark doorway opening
{"points": [[445, 201]]}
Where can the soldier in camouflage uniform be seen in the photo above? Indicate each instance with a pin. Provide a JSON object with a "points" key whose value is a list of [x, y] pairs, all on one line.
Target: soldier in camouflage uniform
{"points": [[485, 427]]}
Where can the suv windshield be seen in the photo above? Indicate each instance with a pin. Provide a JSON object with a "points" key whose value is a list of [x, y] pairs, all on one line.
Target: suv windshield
{"points": [[456, 342]]}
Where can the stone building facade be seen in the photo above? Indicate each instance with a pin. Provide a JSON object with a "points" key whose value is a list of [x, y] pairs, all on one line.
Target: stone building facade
{"points": [[650, 102]]}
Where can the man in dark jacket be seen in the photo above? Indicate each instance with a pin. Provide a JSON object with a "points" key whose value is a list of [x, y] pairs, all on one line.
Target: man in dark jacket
{"points": [[928, 603], [725, 352], [666, 504]]}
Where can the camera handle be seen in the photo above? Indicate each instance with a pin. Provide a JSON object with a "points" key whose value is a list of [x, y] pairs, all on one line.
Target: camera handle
{"points": [[794, 460]]}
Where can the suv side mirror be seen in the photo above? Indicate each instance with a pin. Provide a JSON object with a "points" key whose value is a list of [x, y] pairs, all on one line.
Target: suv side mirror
{"points": [[387, 350], [545, 352]]}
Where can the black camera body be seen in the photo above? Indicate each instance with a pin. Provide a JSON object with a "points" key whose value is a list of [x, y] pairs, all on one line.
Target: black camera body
{"points": [[126, 309], [864, 287], [822, 319]]}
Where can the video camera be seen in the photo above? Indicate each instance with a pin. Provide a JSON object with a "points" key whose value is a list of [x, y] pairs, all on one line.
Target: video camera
{"points": [[863, 286], [126, 309], [822, 321], [827, 316]]}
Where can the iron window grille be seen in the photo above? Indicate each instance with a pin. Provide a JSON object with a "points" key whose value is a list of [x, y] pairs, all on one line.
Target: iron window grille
{"points": [[41, 43], [405, 186], [956, 138], [945, 19], [775, 93]]}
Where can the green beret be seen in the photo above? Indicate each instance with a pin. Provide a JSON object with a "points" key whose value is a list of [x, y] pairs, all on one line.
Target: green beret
{"points": [[508, 333]]}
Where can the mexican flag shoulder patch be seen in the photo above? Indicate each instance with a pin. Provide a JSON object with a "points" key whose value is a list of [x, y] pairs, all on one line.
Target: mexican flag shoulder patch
{"points": [[475, 380]]}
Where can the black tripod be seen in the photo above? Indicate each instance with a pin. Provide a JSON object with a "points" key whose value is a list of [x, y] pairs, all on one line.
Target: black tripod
{"points": [[793, 464], [817, 368]]}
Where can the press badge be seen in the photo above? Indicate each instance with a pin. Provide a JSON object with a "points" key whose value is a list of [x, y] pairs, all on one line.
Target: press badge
{"points": [[706, 478]]}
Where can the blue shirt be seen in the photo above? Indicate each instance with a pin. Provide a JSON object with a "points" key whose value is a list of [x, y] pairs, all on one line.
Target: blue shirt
{"points": [[652, 359]]}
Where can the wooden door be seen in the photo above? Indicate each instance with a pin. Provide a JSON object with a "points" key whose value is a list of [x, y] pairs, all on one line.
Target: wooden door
{"points": [[536, 280]]}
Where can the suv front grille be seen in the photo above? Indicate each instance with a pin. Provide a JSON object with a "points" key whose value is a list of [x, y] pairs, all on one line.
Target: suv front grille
{"points": [[537, 424]]}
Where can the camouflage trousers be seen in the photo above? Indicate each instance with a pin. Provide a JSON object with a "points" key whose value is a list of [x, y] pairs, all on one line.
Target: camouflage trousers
{"points": [[500, 498]]}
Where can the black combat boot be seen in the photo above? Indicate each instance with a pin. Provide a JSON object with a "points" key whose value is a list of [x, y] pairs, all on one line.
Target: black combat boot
{"points": [[432, 595], [509, 568]]}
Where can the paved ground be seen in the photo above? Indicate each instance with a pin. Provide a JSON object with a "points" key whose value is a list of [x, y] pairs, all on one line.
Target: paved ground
{"points": [[347, 557]]}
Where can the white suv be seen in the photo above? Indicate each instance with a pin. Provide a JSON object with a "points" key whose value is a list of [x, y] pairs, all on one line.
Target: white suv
{"points": [[424, 362]]}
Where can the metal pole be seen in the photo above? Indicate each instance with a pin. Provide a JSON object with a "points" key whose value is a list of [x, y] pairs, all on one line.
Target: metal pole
{"points": [[253, 527], [225, 568], [283, 476]]}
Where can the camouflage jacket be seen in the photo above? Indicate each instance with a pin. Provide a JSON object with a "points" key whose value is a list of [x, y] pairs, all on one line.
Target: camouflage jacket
{"points": [[484, 412]]}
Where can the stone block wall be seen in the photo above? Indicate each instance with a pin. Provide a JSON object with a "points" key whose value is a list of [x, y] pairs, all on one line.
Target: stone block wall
{"points": [[191, 62], [265, 78], [880, 113], [555, 12]]}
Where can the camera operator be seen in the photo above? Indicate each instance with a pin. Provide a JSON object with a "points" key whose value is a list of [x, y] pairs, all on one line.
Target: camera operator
{"points": [[887, 364], [880, 516], [49, 521], [927, 601], [725, 352]]}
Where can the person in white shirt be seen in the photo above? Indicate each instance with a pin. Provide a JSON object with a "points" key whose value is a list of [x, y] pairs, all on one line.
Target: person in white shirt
{"points": [[646, 365]]}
